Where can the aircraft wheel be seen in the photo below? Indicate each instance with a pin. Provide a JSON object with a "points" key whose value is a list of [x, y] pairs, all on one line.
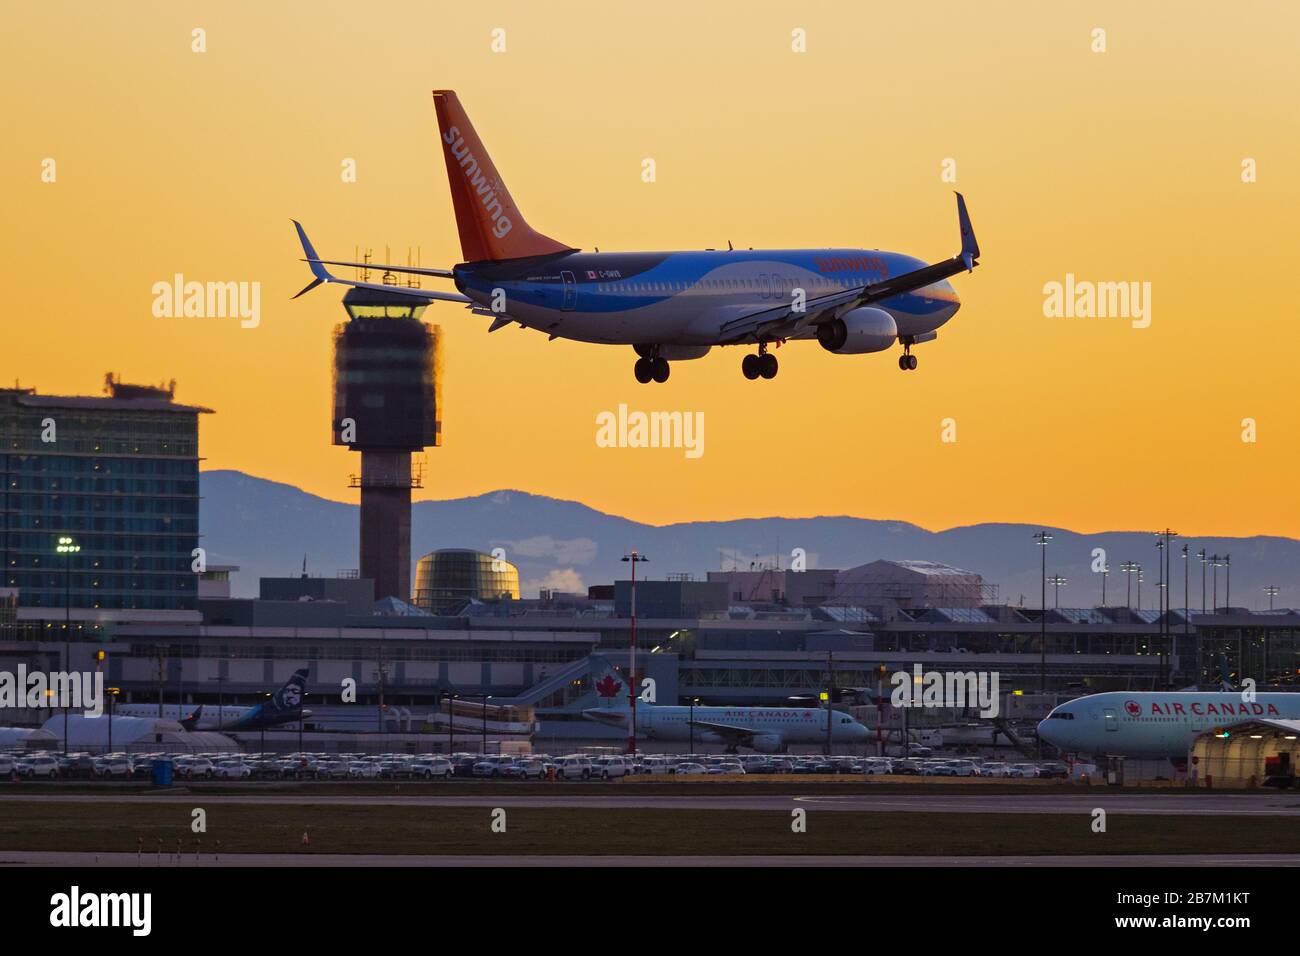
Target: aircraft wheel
{"points": [[643, 370], [767, 365], [911, 361], [902, 362], [749, 365], [660, 370]]}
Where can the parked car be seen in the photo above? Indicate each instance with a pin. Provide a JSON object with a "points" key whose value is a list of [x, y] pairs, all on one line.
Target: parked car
{"points": [[30, 768], [1054, 771], [1022, 771], [607, 768], [427, 768], [492, 765], [113, 765], [573, 768], [526, 768], [688, 768], [363, 770], [232, 770]]}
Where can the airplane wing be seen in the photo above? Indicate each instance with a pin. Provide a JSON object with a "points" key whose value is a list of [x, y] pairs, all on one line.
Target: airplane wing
{"points": [[731, 733], [783, 322], [317, 265]]}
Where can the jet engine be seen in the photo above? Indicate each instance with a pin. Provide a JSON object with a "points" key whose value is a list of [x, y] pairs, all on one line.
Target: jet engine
{"points": [[860, 330]]}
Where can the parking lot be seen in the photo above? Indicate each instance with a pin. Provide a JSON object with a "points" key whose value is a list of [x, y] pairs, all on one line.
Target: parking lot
{"points": [[434, 767]]}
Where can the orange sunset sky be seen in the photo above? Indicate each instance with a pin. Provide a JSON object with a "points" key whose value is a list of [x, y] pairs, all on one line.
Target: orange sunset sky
{"points": [[1117, 166]]}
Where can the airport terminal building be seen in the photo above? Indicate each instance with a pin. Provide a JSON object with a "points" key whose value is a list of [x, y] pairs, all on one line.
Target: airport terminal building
{"points": [[122, 481]]}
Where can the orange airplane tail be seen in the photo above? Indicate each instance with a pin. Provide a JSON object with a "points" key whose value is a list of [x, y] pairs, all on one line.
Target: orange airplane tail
{"points": [[490, 224]]}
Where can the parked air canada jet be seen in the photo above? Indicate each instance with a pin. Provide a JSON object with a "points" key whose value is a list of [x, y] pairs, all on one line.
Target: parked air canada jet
{"points": [[669, 305], [765, 729], [1155, 723]]}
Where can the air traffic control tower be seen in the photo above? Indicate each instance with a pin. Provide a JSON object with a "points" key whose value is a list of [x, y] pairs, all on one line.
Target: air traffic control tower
{"points": [[387, 405]]}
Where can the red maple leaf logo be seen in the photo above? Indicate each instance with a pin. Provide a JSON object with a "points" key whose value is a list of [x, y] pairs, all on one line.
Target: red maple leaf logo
{"points": [[607, 686], [1133, 707]]}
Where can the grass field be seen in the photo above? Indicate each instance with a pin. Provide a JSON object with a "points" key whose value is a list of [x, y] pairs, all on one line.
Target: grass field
{"points": [[242, 828]]}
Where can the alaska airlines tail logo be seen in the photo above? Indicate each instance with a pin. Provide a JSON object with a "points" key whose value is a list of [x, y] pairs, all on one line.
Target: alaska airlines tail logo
{"points": [[289, 696], [485, 189], [607, 686]]}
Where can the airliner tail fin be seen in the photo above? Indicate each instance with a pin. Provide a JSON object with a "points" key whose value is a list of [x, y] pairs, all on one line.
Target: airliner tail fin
{"points": [[490, 224]]}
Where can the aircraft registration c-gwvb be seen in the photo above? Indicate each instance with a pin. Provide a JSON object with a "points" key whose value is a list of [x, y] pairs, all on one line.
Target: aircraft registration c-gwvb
{"points": [[669, 306]]}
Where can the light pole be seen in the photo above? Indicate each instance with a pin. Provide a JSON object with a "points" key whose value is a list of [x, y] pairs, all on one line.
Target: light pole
{"points": [[1272, 591], [1201, 554], [634, 559], [1164, 544], [67, 547], [694, 701], [1214, 563], [1042, 537], [221, 696], [1187, 614], [1105, 573], [1227, 585], [450, 698], [485, 700], [112, 699], [1056, 581], [1160, 571], [1128, 567]]}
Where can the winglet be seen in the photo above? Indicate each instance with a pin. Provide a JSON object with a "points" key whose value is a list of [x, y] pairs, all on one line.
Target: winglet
{"points": [[970, 248], [313, 260]]}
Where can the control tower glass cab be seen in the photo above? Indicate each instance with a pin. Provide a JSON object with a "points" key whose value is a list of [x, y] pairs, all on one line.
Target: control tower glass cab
{"points": [[387, 405]]}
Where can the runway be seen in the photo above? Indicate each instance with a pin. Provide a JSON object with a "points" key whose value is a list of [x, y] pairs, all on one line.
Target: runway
{"points": [[150, 862], [1202, 804]]}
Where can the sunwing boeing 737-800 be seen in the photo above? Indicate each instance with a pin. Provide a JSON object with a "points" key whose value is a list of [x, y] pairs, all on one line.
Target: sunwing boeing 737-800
{"points": [[670, 305], [1156, 724]]}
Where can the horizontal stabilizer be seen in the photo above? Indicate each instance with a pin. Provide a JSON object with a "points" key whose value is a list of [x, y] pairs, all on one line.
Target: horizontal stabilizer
{"points": [[321, 274]]}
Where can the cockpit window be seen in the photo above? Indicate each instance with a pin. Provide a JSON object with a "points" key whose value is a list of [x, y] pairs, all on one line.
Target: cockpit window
{"points": [[1060, 715]]}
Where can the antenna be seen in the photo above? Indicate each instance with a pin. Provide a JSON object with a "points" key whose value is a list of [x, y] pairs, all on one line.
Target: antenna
{"points": [[388, 277]]}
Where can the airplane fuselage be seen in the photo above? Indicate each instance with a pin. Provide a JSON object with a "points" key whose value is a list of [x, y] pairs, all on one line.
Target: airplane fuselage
{"points": [[1154, 725], [686, 299], [773, 727]]}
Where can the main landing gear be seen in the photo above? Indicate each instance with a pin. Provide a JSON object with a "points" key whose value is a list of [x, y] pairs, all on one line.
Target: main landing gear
{"points": [[650, 367], [761, 365], [907, 361]]}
